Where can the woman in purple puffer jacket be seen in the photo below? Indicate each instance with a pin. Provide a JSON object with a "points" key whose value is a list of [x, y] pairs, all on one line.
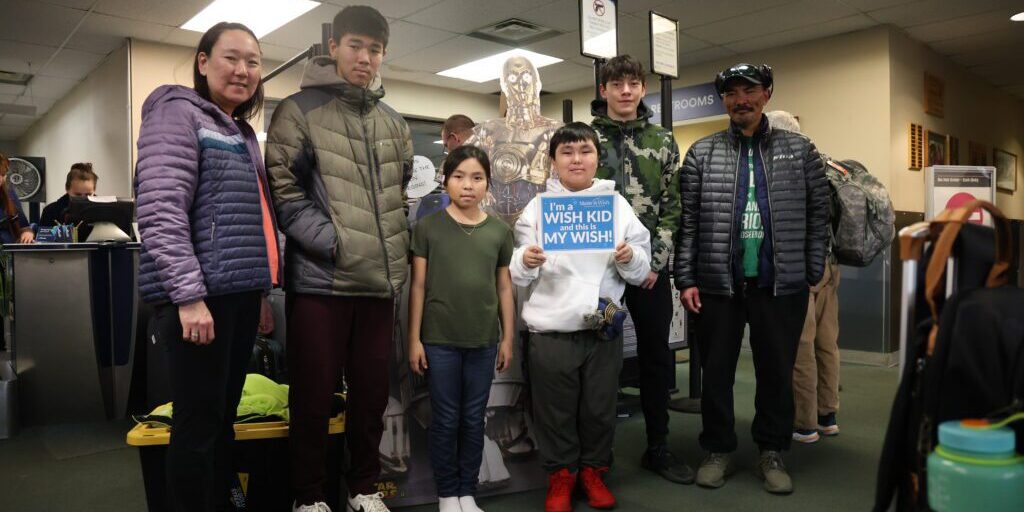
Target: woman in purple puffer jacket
{"points": [[209, 252]]}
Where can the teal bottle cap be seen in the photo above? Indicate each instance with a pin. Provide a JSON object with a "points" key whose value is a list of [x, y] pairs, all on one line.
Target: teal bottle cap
{"points": [[969, 438]]}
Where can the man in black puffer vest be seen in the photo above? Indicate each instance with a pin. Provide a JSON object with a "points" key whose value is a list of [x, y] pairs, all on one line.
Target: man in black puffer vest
{"points": [[751, 242]]}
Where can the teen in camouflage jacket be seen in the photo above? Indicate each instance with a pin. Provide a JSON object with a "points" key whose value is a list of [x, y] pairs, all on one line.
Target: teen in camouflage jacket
{"points": [[648, 157]]}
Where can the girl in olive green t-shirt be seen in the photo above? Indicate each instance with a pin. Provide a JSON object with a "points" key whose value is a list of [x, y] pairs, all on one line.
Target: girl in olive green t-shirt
{"points": [[461, 290]]}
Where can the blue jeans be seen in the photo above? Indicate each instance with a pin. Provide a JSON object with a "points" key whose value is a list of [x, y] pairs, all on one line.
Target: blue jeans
{"points": [[460, 384]]}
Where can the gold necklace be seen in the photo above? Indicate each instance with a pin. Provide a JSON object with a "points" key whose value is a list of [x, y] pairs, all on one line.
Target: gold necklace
{"points": [[459, 225]]}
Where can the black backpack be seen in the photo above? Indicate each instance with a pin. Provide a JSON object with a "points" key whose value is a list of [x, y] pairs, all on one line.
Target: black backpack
{"points": [[268, 359], [861, 211], [966, 359]]}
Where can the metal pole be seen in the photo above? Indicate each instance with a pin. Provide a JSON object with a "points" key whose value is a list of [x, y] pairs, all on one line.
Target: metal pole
{"points": [[597, 77], [666, 103], [308, 52], [325, 38], [566, 111]]}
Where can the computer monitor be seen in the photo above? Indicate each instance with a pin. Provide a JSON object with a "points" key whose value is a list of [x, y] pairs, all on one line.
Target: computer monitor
{"points": [[102, 219]]}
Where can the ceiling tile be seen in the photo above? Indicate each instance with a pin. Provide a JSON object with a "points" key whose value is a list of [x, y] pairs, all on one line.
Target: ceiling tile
{"points": [[74, 4], [37, 23], [931, 11], [464, 16], [50, 88], [389, 8], [960, 27], [565, 46], [693, 13], [29, 58], [563, 16], [101, 33], [871, 5], [447, 54], [407, 38], [304, 30], [979, 42], [169, 13], [770, 21], [42, 104], [805, 33]]}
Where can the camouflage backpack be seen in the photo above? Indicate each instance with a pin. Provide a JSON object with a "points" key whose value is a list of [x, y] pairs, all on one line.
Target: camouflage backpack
{"points": [[861, 212]]}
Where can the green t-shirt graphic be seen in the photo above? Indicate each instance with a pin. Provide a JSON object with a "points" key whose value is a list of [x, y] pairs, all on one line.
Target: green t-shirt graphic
{"points": [[751, 229]]}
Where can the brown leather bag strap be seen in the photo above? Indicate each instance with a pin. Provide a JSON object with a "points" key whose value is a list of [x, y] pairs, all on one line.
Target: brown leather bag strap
{"points": [[953, 220]]}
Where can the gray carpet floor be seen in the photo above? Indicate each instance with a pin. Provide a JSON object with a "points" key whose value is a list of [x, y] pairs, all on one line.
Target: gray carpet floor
{"points": [[88, 468]]}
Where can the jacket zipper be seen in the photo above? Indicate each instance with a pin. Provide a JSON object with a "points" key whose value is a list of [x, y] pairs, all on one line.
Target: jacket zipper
{"points": [[371, 157], [775, 249], [732, 209]]}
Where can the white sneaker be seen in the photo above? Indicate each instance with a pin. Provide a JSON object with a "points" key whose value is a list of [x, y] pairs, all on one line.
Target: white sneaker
{"points": [[468, 504], [316, 507], [367, 503], [450, 504]]}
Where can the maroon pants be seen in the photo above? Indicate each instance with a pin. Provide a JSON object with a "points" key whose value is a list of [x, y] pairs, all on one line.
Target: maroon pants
{"points": [[328, 338]]}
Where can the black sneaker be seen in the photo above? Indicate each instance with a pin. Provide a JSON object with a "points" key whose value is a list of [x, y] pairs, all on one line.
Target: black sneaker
{"points": [[661, 461]]}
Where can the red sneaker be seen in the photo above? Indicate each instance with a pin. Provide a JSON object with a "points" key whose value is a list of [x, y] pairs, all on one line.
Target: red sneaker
{"points": [[598, 495], [560, 485]]}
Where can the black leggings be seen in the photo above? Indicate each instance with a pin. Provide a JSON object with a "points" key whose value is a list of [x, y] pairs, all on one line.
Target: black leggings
{"points": [[206, 383]]}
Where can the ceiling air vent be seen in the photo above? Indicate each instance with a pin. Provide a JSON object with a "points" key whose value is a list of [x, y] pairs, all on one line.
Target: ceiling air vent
{"points": [[514, 32]]}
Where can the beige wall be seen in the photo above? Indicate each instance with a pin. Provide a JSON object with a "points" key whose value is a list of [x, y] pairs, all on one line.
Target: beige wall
{"points": [[155, 64], [856, 95], [974, 110], [90, 124], [838, 86]]}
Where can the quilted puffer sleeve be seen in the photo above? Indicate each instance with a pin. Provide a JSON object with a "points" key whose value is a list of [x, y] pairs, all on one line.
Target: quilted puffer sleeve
{"points": [[685, 268], [166, 176], [290, 163], [817, 214]]}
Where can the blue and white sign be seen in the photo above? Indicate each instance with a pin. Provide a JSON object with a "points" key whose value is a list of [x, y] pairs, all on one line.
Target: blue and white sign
{"points": [[688, 103], [577, 222]]}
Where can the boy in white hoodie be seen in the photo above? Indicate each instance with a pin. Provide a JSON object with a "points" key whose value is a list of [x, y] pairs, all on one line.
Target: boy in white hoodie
{"points": [[574, 371]]}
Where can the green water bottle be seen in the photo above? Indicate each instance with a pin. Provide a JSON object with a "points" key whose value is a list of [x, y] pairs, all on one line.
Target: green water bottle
{"points": [[975, 467]]}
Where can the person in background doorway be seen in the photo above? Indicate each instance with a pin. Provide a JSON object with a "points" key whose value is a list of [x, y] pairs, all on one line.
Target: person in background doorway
{"points": [[455, 131], [209, 252], [81, 182], [15, 228], [642, 159], [752, 240], [816, 373]]}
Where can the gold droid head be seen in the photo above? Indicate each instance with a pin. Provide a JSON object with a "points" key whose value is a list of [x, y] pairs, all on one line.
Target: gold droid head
{"points": [[520, 82]]}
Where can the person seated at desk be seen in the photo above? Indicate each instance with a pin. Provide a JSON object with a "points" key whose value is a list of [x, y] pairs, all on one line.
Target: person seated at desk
{"points": [[81, 182], [14, 225]]}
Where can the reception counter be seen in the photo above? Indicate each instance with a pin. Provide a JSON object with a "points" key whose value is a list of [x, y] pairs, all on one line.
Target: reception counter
{"points": [[72, 329]]}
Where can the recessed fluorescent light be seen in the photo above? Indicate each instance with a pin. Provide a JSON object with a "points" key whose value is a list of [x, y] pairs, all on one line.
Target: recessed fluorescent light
{"points": [[1017, 17], [438, 142], [262, 16], [489, 68]]}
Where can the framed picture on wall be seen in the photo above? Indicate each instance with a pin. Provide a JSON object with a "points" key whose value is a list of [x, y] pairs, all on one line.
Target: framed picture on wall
{"points": [[954, 150], [1006, 169], [937, 150], [977, 154]]}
